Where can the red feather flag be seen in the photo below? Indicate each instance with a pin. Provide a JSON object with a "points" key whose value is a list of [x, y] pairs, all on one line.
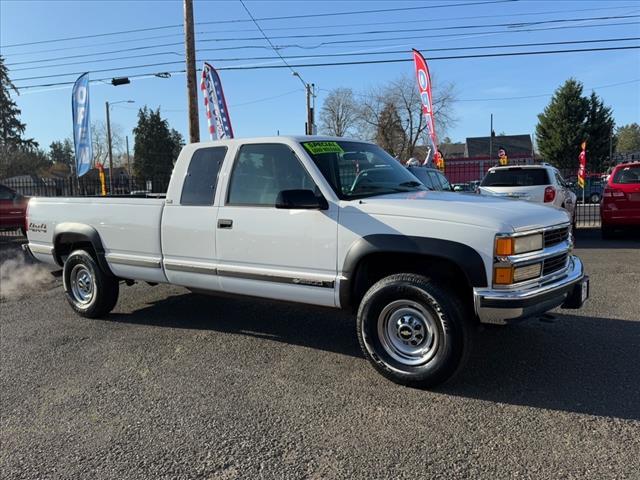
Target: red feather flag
{"points": [[424, 87]]}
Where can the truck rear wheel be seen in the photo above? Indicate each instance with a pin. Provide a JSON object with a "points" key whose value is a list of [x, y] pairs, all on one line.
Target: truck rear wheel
{"points": [[91, 292], [412, 331]]}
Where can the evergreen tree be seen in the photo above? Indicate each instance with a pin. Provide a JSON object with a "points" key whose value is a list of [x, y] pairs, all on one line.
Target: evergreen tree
{"points": [[628, 138], [11, 128], [62, 152], [570, 119], [562, 127], [599, 129], [156, 146]]}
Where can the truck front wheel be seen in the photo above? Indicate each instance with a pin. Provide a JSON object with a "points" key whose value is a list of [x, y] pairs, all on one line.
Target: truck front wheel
{"points": [[413, 331], [91, 292]]}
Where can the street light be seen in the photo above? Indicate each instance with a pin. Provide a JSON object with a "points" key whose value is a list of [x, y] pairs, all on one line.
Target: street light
{"points": [[108, 106]]}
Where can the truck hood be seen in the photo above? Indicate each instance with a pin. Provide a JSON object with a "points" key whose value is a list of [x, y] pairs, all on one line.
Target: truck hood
{"points": [[467, 208]]}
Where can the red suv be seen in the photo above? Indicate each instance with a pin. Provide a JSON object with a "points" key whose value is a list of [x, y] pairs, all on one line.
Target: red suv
{"points": [[620, 205], [13, 209]]}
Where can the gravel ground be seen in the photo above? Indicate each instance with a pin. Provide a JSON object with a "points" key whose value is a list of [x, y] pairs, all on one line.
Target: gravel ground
{"points": [[178, 385]]}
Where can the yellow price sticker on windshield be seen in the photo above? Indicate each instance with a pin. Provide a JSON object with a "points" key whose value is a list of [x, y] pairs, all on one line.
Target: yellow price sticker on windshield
{"points": [[317, 148]]}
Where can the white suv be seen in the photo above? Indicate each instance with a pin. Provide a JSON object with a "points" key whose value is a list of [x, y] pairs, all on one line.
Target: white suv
{"points": [[534, 183]]}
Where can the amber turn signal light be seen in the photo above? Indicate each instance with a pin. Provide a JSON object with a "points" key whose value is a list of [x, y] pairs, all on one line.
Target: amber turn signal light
{"points": [[504, 246]]}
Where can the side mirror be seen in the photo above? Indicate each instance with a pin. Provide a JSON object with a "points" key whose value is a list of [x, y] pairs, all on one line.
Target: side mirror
{"points": [[300, 200]]}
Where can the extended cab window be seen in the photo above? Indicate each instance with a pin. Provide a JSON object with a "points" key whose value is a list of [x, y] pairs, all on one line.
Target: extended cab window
{"points": [[516, 177], [262, 171], [199, 186]]}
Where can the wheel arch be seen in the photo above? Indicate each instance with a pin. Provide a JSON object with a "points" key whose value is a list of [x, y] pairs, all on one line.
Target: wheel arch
{"points": [[68, 236], [390, 254]]}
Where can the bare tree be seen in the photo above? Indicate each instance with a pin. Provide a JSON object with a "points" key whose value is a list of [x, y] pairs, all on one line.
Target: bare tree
{"points": [[100, 142], [403, 95], [339, 112]]}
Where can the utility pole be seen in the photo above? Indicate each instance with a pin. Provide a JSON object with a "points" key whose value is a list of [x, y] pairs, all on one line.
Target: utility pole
{"points": [[309, 130], [491, 141], [192, 91], [308, 125], [110, 150]]}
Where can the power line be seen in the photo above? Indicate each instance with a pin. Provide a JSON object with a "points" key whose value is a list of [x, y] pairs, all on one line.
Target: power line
{"points": [[311, 27], [366, 62], [328, 55], [484, 55], [288, 17], [369, 40], [311, 47], [427, 29], [272, 46]]}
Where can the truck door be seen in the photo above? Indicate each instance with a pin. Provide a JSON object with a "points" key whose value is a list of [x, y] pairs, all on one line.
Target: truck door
{"points": [[272, 252], [189, 223]]}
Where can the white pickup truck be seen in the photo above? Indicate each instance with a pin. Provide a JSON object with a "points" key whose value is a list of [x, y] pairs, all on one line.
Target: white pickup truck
{"points": [[323, 221]]}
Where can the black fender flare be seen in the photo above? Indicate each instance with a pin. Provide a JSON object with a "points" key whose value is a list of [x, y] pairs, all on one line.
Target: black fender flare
{"points": [[465, 257], [72, 232]]}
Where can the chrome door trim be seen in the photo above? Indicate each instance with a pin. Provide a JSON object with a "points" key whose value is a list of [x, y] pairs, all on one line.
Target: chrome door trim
{"points": [[132, 261]]}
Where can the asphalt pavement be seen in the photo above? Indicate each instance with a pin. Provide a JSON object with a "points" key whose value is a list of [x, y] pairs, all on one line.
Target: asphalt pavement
{"points": [[178, 385]]}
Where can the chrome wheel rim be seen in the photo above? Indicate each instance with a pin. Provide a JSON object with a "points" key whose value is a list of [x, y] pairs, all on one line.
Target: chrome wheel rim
{"points": [[408, 332], [82, 284]]}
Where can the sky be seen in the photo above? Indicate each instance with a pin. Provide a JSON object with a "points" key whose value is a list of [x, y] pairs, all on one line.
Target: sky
{"points": [[271, 101]]}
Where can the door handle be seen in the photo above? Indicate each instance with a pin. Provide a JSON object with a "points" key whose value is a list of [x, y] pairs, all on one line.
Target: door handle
{"points": [[225, 223]]}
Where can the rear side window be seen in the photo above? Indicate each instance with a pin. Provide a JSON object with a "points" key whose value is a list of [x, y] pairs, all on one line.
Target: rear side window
{"points": [[516, 177], [627, 175], [200, 183]]}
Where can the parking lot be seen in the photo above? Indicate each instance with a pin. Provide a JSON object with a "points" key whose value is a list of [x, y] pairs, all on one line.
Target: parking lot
{"points": [[178, 385]]}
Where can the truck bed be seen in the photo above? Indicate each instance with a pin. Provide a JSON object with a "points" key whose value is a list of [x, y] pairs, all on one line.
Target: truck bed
{"points": [[128, 226]]}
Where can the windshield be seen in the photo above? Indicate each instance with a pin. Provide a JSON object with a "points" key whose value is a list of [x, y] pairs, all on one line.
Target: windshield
{"points": [[516, 177], [357, 170]]}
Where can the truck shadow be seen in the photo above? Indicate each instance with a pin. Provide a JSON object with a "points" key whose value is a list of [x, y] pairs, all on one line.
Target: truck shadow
{"points": [[575, 364], [308, 326]]}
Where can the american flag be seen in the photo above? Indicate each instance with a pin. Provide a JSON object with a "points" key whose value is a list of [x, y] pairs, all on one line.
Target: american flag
{"points": [[218, 117]]}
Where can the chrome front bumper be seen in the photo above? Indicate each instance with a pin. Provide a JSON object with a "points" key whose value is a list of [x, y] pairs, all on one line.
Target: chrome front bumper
{"points": [[501, 306]]}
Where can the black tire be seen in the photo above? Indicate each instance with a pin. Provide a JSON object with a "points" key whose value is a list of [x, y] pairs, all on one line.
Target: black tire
{"points": [[408, 299], [91, 292], [606, 232], [595, 198]]}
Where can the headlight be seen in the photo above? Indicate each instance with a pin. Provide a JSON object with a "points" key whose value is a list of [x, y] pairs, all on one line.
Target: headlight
{"points": [[506, 246]]}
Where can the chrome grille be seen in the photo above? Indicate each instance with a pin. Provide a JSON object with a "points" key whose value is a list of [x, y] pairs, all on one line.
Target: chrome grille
{"points": [[553, 264], [555, 236]]}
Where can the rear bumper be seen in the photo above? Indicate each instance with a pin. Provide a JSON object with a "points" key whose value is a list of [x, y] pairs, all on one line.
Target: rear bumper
{"points": [[502, 306]]}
